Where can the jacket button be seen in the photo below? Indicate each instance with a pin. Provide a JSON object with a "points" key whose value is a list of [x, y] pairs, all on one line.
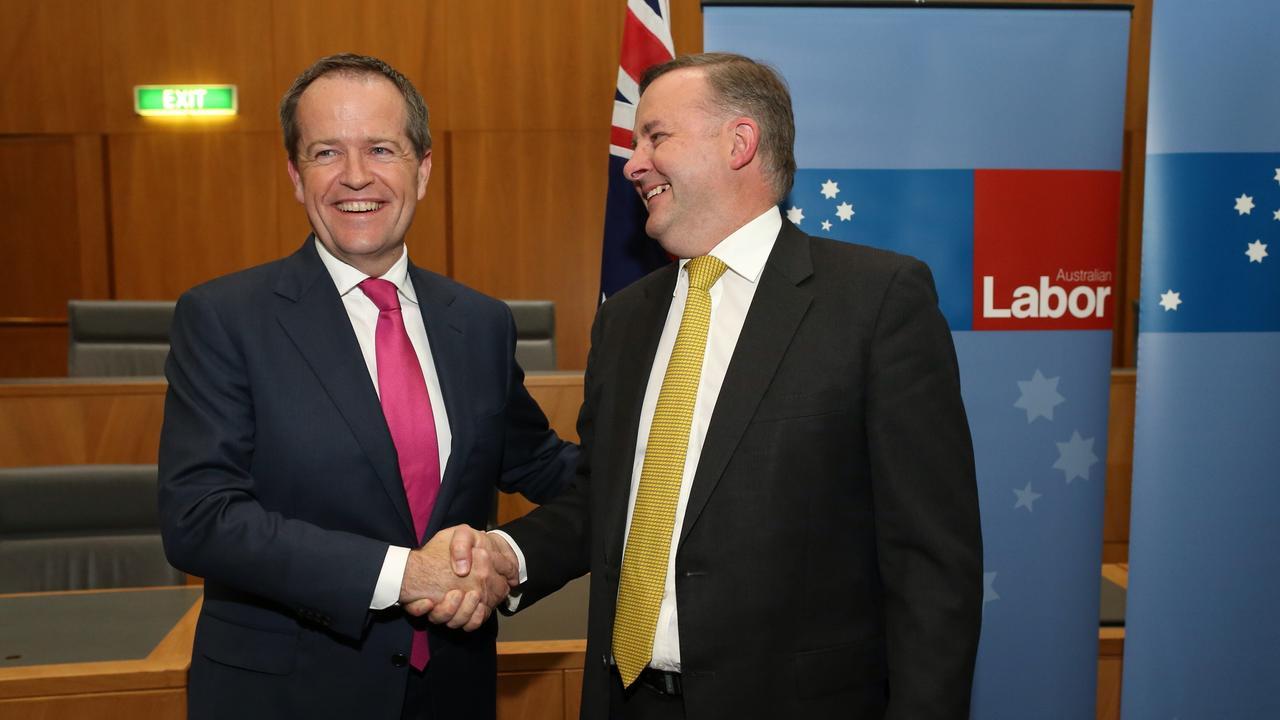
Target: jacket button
{"points": [[604, 660], [399, 660]]}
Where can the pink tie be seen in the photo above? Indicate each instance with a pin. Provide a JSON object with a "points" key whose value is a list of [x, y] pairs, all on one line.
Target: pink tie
{"points": [[407, 407]]}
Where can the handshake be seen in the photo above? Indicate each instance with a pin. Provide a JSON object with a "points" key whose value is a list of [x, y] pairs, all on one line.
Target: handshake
{"points": [[458, 577]]}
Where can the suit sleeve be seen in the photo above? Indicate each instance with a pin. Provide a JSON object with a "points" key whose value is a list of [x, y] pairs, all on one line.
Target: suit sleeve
{"points": [[212, 523], [536, 462], [555, 538], [926, 507]]}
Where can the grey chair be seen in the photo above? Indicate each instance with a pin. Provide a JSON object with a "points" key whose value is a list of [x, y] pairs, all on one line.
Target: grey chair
{"points": [[75, 527], [112, 338], [535, 333]]}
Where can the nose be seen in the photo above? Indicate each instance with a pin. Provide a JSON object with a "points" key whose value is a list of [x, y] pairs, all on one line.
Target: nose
{"points": [[355, 174], [635, 168]]}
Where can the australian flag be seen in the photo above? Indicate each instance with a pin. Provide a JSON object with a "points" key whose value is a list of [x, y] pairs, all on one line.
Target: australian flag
{"points": [[628, 253], [1202, 632]]}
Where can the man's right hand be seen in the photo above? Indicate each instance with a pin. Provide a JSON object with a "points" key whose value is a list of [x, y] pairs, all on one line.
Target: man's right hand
{"points": [[458, 577]]}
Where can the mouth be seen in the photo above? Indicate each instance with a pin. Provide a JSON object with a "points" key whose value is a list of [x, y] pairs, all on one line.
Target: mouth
{"points": [[655, 191], [357, 207]]}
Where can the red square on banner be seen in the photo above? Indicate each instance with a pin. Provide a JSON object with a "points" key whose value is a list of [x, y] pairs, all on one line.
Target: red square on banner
{"points": [[1044, 249]]}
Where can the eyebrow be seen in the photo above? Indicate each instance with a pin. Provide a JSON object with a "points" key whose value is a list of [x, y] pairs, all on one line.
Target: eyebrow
{"points": [[368, 141]]}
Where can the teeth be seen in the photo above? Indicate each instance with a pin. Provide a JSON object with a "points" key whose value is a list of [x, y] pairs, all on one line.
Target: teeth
{"points": [[366, 206], [656, 191]]}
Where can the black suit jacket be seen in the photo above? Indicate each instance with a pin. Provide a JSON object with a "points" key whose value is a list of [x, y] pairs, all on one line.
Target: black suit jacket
{"points": [[279, 486], [830, 561]]}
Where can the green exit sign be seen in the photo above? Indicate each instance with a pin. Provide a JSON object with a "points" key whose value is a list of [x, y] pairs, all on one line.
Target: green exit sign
{"points": [[184, 99]]}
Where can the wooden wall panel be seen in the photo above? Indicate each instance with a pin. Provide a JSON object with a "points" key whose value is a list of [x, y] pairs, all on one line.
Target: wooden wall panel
{"points": [[1115, 526], [51, 84], [531, 695], [520, 65], [33, 350], [188, 207], [91, 217], [528, 208], [152, 42], [41, 236], [686, 26], [410, 35]]}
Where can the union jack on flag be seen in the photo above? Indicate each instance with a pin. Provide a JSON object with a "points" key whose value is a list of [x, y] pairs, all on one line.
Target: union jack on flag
{"points": [[628, 253]]}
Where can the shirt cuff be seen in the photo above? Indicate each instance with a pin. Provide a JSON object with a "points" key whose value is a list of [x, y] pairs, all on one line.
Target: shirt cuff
{"points": [[513, 600], [387, 592]]}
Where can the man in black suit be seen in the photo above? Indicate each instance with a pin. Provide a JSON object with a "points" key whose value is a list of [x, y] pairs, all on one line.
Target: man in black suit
{"points": [[328, 413], [799, 449]]}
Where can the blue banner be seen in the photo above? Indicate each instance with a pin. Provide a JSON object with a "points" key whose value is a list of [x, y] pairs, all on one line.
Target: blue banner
{"points": [[986, 142], [1202, 634]]}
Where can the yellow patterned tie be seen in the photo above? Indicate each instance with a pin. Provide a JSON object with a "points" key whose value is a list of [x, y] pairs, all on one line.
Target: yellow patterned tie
{"points": [[644, 565]]}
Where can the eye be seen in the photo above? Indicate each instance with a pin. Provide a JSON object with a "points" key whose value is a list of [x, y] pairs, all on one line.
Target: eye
{"points": [[326, 154], [380, 150]]}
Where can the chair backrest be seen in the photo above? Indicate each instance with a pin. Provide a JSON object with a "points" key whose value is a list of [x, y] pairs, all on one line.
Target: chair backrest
{"points": [[535, 333], [74, 527], [112, 338]]}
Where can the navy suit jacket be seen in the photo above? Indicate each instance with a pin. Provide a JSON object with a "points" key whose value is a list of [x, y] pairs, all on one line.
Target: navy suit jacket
{"points": [[279, 486], [830, 560]]}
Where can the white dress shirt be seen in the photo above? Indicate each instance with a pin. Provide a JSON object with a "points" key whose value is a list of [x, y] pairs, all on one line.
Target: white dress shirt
{"points": [[745, 252], [364, 321]]}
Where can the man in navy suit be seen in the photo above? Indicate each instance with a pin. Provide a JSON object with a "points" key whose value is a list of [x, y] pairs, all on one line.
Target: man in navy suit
{"points": [[327, 414]]}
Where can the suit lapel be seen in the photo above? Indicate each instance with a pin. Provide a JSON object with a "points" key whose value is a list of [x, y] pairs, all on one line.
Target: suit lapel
{"points": [[776, 311], [635, 363], [447, 336], [317, 322]]}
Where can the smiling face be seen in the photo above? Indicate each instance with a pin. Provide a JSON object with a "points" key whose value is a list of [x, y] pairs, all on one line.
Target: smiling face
{"points": [[356, 171], [682, 164]]}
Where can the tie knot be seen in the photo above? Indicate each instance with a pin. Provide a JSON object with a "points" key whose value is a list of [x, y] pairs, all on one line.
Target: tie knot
{"points": [[704, 271], [381, 292]]}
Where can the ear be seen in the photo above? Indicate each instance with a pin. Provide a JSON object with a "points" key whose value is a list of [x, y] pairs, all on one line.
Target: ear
{"points": [[424, 174], [746, 142], [296, 177]]}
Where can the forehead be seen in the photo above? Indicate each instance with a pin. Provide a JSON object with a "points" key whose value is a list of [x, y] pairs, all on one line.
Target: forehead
{"points": [[342, 100], [674, 95]]}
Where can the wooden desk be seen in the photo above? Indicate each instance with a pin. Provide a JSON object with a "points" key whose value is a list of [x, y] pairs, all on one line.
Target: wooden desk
{"points": [[68, 421], [151, 686], [537, 679]]}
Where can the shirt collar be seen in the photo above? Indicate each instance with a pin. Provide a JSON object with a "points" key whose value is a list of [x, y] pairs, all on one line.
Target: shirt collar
{"points": [[346, 277], [747, 249]]}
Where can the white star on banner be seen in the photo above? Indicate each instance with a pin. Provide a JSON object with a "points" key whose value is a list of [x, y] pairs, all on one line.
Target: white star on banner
{"points": [[1039, 396], [844, 211], [1275, 215], [826, 225], [795, 215], [1075, 457], [1170, 300], [830, 189], [989, 588], [1277, 177], [1257, 250], [1244, 204], [1026, 497]]}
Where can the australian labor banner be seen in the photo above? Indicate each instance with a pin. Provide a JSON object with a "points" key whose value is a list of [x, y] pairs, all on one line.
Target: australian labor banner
{"points": [[1203, 632], [986, 142]]}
